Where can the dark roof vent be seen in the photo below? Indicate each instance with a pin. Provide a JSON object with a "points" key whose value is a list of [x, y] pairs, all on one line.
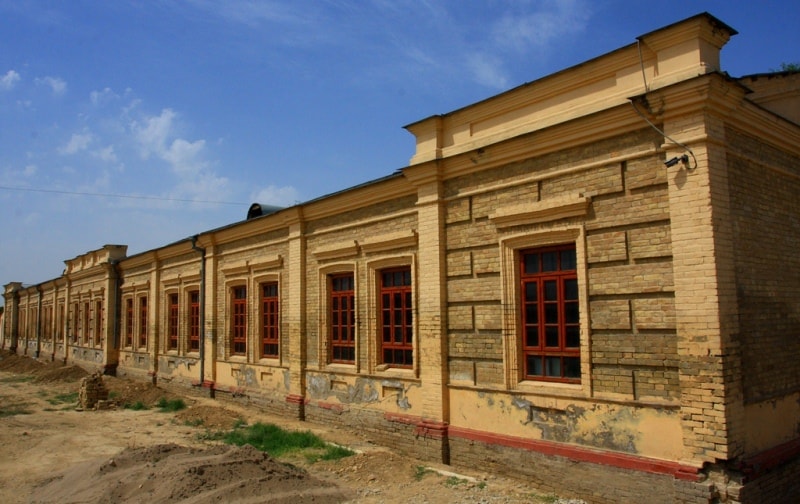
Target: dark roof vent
{"points": [[257, 210]]}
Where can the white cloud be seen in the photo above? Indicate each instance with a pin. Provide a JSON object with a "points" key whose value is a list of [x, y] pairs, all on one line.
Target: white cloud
{"points": [[30, 170], [487, 70], [157, 136], [554, 19], [106, 154], [9, 80], [99, 98], [59, 86], [279, 196], [77, 143], [185, 157], [154, 133]]}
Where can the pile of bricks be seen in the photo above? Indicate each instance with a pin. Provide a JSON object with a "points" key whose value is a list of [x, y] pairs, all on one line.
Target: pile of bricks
{"points": [[93, 393]]}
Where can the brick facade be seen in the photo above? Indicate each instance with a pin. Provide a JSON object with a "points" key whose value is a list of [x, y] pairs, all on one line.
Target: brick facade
{"points": [[666, 364]]}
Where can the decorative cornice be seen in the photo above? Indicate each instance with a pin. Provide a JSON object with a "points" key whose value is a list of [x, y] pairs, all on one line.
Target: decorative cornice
{"points": [[389, 241], [338, 251], [541, 211]]}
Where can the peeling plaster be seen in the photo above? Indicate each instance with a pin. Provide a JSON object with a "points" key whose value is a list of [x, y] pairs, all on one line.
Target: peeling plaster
{"points": [[363, 391]]}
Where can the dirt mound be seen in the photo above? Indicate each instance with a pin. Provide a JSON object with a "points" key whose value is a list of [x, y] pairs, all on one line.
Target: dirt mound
{"points": [[61, 374], [209, 417], [126, 392], [173, 473], [14, 363]]}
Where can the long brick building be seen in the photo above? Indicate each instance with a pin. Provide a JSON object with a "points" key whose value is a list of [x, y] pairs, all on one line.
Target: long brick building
{"points": [[589, 281]]}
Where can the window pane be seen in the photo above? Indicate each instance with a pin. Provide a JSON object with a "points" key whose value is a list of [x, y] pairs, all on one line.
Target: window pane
{"points": [[551, 313], [571, 289], [531, 263], [573, 339], [532, 336], [530, 291], [531, 314], [553, 366], [550, 261], [551, 336], [572, 367], [551, 290], [568, 260], [571, 315], [534, 367]]}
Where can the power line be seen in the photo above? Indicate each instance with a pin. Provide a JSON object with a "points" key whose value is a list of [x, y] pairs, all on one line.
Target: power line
{"points": [[125, 196]]}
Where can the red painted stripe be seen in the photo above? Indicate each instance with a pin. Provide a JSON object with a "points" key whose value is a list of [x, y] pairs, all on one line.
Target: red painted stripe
{"points": [[758, 464]]}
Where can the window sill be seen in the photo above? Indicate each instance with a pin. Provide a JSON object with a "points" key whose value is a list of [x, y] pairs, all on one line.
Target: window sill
{"points": [[386, 371], [552, 388]]}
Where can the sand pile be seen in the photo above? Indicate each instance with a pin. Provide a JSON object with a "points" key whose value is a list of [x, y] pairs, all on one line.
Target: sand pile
{"points": [[172, 473]]}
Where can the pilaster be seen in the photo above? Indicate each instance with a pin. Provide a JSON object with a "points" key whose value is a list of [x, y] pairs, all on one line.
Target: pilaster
{"points": [[712, 413]]}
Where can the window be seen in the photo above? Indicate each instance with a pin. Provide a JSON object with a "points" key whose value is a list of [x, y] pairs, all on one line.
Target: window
{"points": [[129, 322], [98, 322], [142, 322], [270, 320], [550, 314], [239, 321], [194, 320], [172, 322], [342, 319], [75, 321], [60, 323], [396, 317], [85, 327]]}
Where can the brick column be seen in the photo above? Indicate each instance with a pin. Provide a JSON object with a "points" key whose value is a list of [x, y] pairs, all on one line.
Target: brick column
{"points": [[11, 316], [295, 319], [431, 311], [712, 411]]}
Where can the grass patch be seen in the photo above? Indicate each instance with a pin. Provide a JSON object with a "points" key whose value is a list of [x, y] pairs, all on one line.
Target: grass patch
{"points": [[137, 406], [454, 481], [171, 406], [197, 422], [69, 398], [421, 471], [277, 442], [13, 411], [17, 379]]}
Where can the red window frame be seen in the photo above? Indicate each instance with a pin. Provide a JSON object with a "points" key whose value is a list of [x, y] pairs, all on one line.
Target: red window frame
{"points": [[129, 322], [550, 318], [172, 324], [143, 322], [76, 320], [342, 318], [270, 320], [86, 326], [396, 317], [98, 322], [239, 320], [194, 320]]}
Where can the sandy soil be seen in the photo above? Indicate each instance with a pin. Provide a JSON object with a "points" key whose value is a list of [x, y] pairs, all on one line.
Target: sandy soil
{"points": [[51, 452]]}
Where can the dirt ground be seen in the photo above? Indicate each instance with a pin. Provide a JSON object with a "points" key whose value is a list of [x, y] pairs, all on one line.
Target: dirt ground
{"points": [[52, 452]]}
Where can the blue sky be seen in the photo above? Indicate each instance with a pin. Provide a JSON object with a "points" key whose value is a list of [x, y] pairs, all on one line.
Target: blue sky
{"points": [[193, 109]]}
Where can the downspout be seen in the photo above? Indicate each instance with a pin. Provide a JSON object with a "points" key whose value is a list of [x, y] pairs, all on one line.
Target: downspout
{"points": [[38, 322], [202, 315]]}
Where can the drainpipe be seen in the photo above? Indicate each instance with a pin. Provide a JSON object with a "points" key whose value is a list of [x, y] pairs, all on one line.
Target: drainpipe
{"points": [[38, 322], [202, 315]]}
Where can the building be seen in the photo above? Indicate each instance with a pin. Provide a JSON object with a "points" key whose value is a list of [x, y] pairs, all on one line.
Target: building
{"points": [[588, 281]]}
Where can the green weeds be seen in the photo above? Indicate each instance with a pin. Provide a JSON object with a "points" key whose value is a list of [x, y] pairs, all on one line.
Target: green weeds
{"points": [[171, 406], [279, 442]]}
